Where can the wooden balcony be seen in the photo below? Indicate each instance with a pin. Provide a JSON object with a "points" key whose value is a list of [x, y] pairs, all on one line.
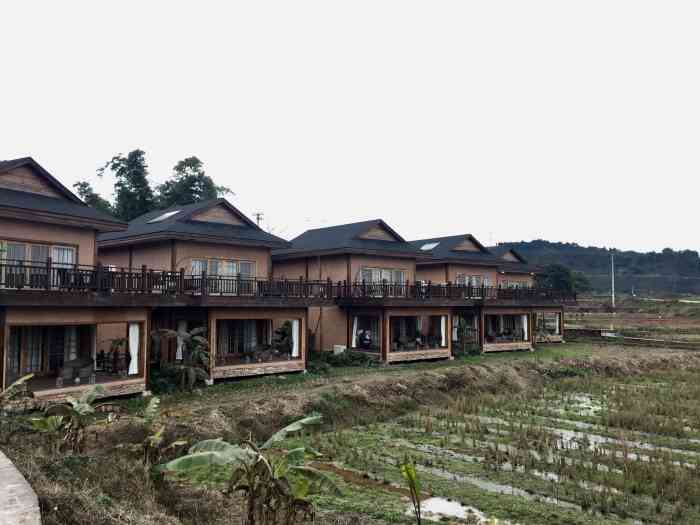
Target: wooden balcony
{"points": [[24, 283]]}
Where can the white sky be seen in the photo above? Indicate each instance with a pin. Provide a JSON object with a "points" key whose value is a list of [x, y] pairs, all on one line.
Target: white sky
{"points": [[570, 121]]}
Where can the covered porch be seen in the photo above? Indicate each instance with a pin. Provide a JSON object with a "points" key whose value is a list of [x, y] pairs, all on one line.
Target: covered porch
{"points": [[249, 342], [506, 330], [417, 334], [70, 350], [549, 325]]}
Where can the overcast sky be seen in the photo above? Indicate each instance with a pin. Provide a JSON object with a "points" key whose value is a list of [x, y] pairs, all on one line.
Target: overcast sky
{"points": [[510, 120]]}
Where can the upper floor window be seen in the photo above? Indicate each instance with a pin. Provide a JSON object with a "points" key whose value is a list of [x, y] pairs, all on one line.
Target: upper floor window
{"points": [[224, 268], [38, 253], [381, 275], [475, 280]]}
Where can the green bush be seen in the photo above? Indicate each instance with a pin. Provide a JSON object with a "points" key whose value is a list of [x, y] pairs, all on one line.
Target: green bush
{"points": [[323, 362]]}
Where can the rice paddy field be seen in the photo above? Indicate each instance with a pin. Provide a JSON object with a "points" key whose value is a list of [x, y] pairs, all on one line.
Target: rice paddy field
{"points": [[577, 450]]}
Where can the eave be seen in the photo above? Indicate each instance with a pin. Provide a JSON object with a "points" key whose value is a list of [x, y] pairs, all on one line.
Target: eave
{"points": [[21, 214], [169, 236]]}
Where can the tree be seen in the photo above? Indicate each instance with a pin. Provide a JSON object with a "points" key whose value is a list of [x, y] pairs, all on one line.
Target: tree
{"points": [[195, 354], [132, 190], [91, 198], [189, 184], [560, 277], [75, 415], [276, 483]]}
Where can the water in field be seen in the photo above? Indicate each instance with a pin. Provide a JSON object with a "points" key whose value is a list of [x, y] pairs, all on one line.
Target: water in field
{"points": [[582, 450]]}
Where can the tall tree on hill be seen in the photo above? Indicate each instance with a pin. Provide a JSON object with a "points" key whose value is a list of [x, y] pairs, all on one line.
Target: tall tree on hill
{"points": [[91, 198], [560, 277], [132, 190], [189, 184]]}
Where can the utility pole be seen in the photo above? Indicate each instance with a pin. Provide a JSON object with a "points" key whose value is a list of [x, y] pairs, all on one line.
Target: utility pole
{"points": [[612, 281], [258, 217], [612, 277]]}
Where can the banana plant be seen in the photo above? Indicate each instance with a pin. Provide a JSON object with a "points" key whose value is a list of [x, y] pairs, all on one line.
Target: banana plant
{"points": [[11, 391], [277, 483], [195, 354], [49, 426], [76, 414]]}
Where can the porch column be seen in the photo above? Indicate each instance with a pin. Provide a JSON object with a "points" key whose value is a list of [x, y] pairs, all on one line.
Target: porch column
{"points": [[213, 347]]}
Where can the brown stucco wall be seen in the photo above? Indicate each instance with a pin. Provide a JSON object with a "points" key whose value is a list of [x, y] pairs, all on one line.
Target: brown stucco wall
{"points": [[292, 269], [84, 240], [433, 273], [117, 257]]}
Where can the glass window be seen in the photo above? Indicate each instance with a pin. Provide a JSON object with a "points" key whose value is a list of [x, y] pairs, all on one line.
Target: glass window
{"points": [[247, 269], [213, 267], [63, 255], [40, 253], [16, 251], [198, 266]]}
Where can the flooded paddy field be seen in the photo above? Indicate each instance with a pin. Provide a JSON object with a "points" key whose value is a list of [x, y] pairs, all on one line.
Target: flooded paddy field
{"points": [[582, 449]]}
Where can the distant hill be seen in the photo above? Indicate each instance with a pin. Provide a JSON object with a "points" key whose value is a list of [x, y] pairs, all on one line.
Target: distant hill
{"points": [[667, 271]]}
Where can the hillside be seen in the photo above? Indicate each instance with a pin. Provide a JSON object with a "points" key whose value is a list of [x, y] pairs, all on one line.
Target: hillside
{"points": [[667, 271]]}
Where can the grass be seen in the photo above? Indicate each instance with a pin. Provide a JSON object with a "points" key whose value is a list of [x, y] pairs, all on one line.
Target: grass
{"points": [[375, 415]]}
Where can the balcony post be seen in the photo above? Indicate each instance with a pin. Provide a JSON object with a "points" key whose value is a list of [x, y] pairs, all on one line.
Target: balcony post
{"points": [[449, 289], [180, 282], [49, 271], [144, 272], [99, 278], [21, 276], [301, 287], [203, 285]]}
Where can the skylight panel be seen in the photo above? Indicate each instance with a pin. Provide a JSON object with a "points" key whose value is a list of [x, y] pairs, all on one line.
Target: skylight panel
{"points": [[429, 246], [165, 216]]}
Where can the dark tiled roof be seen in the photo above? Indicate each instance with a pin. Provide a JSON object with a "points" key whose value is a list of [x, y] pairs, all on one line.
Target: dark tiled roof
{"points": [[40, 203], [445, 250], [7, 165], [181, 225], [344, 238]]}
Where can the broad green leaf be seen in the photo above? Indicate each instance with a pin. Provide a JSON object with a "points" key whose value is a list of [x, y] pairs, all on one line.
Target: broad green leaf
{"points": [[228, 452], [320, 480], [191, 462], [294, 427]]}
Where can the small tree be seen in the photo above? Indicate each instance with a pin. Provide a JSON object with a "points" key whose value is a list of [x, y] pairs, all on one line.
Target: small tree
{"points": [[276, 483], [76, 414], [195, 354]]}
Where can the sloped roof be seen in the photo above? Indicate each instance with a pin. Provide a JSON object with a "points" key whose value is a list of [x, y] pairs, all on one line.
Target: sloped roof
{"points": [[346, 238], [182, 225], [7, 165], [501, 250], [48, 209], [444, 249]]}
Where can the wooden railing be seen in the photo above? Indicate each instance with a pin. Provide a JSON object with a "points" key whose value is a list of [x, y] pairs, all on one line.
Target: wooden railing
{"points": [[16, 276]]}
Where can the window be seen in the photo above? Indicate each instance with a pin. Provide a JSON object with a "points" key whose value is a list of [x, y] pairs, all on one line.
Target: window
{"points": [[429, 246], [40, 253], [198, 266], [381, 275], [63, 256], [16, 251], [164, 216]]}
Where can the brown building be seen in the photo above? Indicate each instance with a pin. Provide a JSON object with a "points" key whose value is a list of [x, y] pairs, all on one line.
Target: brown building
{"points": [[376, 269], [48, 246], [82, 295], [223, 260]]}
